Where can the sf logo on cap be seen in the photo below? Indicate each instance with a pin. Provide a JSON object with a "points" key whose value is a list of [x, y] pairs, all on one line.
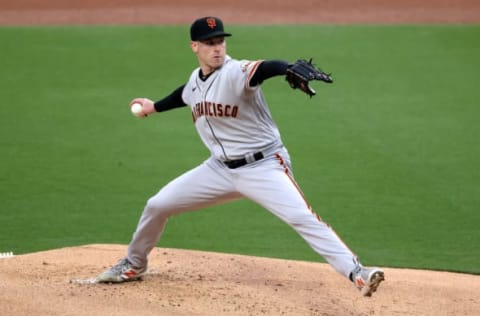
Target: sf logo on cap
{"points": [[211, 23]]}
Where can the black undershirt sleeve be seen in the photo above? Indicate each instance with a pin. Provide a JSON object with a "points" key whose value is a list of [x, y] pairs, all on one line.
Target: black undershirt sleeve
{"points": [[174, 100], [268, 69]]}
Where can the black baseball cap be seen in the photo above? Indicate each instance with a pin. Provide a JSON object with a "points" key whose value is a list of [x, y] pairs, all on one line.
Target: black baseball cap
{"points": [[207, 27]]}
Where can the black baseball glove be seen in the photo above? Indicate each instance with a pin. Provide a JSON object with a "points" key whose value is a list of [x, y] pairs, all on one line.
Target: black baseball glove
{"points": [[302, 72]]}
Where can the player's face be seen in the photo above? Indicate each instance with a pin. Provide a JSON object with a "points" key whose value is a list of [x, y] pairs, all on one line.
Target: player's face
{"points": [[210, 53]]}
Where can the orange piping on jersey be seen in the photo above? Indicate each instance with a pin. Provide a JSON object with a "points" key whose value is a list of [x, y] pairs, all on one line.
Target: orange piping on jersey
{"points": [[252, 72]]}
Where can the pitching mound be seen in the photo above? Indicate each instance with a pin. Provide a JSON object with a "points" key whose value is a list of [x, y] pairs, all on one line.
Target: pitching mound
{"points": [[183, 282]]}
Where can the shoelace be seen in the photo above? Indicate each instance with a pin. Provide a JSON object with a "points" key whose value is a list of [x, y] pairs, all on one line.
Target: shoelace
{"points": [[121, 266]]}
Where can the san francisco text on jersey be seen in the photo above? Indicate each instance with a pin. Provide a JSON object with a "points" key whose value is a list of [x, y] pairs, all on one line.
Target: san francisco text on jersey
{"points": [[214, 109]]}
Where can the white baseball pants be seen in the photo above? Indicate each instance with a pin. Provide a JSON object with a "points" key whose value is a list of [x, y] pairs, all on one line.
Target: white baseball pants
{"points": [[268, 182]]}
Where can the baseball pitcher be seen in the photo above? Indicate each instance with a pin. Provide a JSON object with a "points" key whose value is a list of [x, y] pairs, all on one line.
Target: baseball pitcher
{"points": [[248, 158]]}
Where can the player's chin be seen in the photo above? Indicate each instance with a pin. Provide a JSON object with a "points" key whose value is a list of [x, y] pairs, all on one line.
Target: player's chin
{"points": [[217, 61]]}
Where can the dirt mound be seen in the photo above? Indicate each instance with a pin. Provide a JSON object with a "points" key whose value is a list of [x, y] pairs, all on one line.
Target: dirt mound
{"points": [[184, 282]]}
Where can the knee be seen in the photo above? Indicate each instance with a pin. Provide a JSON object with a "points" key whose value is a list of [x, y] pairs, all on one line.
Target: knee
{"points": [[156, 206]]}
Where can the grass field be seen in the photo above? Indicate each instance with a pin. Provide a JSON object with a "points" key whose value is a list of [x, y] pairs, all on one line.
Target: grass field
{"points": [[388, 155]]}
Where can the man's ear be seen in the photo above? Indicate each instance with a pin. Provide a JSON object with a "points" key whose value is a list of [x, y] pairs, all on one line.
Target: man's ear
{"points": [[194, 46]]}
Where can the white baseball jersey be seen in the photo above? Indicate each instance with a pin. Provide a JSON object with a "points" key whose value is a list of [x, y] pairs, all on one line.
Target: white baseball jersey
{"points": [[231, 117]]}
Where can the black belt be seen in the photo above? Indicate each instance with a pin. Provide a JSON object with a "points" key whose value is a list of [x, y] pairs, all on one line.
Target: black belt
{"points": [[233, 164]]}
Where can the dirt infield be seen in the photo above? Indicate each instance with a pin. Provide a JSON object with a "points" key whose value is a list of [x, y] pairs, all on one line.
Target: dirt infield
{"points": [[238, 12], [184, 282]]}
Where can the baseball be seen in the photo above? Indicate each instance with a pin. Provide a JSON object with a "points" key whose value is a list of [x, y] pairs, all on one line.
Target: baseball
{"points": [[136, 109]]}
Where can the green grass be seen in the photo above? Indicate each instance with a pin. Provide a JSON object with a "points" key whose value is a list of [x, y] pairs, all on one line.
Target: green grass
{"points": [[389, 154]]}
